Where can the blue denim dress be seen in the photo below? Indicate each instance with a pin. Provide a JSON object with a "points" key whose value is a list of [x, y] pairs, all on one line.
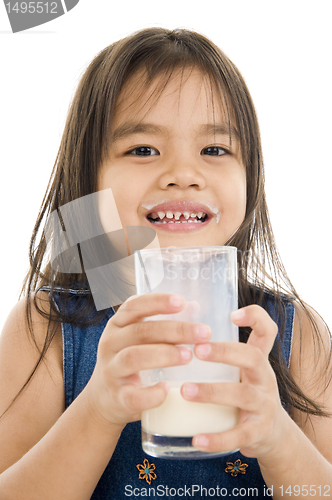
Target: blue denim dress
{"points": [[133, 474]]}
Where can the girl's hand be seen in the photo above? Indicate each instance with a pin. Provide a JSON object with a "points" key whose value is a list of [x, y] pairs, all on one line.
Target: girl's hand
{"points": [[262, 419], [128, 344]]}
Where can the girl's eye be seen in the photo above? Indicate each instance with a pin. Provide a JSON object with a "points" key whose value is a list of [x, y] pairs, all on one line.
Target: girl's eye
{"points": [[143, 151], [214, 151]]}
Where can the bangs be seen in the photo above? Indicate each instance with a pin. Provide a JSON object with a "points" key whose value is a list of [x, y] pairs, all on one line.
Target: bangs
{"points": [[152, 81]]}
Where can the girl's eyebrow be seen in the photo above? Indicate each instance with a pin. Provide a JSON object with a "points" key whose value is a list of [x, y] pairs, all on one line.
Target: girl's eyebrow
{"points": [[132, 128], [220, 129]]}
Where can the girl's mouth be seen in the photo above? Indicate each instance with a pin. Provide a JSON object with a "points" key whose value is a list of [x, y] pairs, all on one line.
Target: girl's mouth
{"points": [[178, 221]]}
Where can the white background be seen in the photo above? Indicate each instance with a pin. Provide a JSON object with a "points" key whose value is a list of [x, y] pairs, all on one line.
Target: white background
{"points": [[283, 50]]}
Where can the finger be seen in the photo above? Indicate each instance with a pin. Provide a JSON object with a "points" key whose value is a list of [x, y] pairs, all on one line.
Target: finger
{"points": [[238, 395], [139, 307], [146, 357], [248, 357], [139, 399], [155, 332], [241, 436], [264, 329]]}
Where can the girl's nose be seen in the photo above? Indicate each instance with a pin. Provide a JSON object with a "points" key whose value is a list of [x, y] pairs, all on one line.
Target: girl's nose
{"points": [[182, 173]]}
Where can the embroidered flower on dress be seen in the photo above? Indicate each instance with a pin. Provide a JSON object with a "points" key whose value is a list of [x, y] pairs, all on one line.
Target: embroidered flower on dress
{"points": [[236, 468], [146, 471]]}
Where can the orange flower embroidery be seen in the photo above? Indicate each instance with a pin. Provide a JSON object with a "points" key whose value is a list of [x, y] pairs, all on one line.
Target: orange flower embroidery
{"points": [[236, 468], [146, 471]]}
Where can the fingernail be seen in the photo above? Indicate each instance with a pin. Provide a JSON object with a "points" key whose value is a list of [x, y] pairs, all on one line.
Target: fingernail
{"points": [[203, 350], [185, 353], [202, 331], [237, 315], [176, 300], [190, 390], [201, 442]]}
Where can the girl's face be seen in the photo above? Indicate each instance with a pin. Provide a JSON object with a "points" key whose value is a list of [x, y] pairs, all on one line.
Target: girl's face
{"points": [[171, 162]]}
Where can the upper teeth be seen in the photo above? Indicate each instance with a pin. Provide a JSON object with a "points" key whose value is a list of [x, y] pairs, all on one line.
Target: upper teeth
{"points": [[176, 215]]}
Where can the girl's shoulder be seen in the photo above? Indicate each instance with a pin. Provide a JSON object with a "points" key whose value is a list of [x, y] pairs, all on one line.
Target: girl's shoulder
{"points": [[311, 369], [311, 351], [310, 335], [16, 330]]}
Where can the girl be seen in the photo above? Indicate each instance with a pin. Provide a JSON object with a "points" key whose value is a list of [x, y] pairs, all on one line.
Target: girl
{"points": [[165, 120]]}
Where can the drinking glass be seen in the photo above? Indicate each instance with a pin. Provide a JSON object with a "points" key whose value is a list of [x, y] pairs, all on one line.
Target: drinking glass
{"points": [[207, 278]]}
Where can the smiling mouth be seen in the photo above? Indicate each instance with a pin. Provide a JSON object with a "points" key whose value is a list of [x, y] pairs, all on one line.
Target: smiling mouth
{"points": [[183, 218]]}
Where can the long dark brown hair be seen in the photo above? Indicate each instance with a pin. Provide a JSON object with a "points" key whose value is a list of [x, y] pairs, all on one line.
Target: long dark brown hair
{"points": [[150, 53]]}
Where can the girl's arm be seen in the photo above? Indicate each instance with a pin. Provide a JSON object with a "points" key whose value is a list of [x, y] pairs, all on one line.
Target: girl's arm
{"points": [[294, 456], [45, 453]]}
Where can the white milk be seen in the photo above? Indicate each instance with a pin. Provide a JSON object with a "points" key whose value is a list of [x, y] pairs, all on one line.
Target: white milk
{"points": [[178, 417]]}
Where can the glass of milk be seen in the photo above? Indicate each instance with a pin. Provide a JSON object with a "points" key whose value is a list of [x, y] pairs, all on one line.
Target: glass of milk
{"points": [[207, 278]]}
